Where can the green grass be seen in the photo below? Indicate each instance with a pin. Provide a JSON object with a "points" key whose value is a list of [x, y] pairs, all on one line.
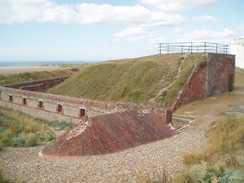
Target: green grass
{"points": [[131, 80], [29, 76], [21, 130]]}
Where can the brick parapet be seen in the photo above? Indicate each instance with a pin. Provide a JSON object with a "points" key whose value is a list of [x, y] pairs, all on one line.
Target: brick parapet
{"points": [[70, 106]]}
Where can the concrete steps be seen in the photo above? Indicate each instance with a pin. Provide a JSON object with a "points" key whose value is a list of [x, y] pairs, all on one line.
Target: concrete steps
{"points": [[184, 120]]}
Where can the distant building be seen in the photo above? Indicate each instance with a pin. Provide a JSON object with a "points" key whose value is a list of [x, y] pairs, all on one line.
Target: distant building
{"points": [[237, 48]]}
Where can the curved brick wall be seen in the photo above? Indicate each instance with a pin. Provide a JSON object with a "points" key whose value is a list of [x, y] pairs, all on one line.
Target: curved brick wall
{"points": [[108, 133]]}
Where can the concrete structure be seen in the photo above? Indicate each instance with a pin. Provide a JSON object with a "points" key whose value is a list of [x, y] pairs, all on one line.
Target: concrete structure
{"points": [[237, 48]]}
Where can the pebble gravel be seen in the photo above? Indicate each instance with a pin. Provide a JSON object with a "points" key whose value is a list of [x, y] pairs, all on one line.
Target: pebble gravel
{"points": [[150, 160]]}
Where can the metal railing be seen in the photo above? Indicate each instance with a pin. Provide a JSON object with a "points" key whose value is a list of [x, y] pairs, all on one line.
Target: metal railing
{"points": [[191, 47]]}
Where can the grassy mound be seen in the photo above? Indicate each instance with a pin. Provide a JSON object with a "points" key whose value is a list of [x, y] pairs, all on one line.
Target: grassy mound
{"points": [[138, 80]]}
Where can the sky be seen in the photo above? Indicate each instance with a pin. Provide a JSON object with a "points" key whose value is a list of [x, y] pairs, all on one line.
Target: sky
{"points": [[99, 30]]}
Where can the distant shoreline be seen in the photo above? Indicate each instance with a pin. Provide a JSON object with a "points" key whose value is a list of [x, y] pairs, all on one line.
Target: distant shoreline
{"points": [[13, 70], [42, 63]]}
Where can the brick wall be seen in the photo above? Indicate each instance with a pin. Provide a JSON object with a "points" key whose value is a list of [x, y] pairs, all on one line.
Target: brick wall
{"points": [[69, 109], [210, 77], [39, 85]]}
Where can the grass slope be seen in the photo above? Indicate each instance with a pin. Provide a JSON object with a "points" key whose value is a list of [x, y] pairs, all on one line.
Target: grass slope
{"points": [[136, 80], [29, 76]]}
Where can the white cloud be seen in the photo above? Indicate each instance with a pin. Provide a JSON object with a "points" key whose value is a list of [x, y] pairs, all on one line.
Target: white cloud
{"points": [[204, 18], [178, 5], [132, 34], [208, 35], [16, 11], [178, 30]]}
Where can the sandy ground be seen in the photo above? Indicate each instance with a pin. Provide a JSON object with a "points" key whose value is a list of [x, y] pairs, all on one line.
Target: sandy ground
{"points": [[11, 70]]}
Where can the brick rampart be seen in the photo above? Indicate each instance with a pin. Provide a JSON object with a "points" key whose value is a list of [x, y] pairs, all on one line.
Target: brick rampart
{"points": [[209, 77], [70, 109], [38, 85]]}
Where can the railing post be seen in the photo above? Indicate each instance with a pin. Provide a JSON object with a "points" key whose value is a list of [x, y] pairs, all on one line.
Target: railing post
{"points": [[191, 47], [160, 48]]}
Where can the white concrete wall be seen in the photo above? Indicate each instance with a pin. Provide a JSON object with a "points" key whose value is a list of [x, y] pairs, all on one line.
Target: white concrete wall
{"points": [[237, 48]]}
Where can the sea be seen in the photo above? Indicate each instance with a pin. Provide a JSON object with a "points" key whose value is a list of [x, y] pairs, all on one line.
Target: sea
{"points": [[37, 63]]}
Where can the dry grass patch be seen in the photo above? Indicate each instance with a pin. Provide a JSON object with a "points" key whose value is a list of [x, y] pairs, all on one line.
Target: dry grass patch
{"points": [[226, 138]]}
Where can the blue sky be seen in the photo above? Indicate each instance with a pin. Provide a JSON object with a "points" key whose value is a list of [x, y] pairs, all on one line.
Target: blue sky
{"points": [[98, 30]]}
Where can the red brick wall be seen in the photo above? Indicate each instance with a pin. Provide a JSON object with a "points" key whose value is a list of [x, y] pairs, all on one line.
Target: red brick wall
{"points": [[92, 107], [220, 67], [38, 85], [195, 87], [208, 78]]}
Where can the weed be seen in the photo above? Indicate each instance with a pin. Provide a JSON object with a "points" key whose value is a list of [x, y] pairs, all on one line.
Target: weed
{"points": [[232, 176], [21, 130], [198, 172]]}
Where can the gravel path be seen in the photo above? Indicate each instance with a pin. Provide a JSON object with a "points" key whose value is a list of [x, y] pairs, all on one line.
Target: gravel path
{"points": [[23, 164]]}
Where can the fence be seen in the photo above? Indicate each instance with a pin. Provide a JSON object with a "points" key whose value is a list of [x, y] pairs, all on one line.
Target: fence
{"points": [[190, 47]]}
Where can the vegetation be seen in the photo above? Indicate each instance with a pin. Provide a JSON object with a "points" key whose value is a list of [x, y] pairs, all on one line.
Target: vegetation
{"points": [[226, 138], [21, 130], [2, 179], [74, 66], [222, 160], [29, 76], [132, 80]]}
